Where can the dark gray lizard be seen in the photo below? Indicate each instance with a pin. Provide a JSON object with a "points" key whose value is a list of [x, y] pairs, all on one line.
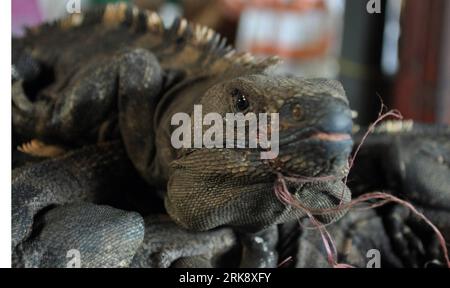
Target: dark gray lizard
{"points": [[117, 73]]}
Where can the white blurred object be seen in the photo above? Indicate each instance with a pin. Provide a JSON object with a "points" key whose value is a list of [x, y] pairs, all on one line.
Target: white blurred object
{"points": [[169, 11], [389, 59], [306, 33], [52, 10], [28, 13]]}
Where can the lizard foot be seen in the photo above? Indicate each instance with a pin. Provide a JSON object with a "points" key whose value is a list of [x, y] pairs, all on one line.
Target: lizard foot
{"points": [[38, 148]]}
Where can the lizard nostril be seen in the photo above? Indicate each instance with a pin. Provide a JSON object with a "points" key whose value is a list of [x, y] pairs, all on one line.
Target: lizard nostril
{"points": [[297, 112]]}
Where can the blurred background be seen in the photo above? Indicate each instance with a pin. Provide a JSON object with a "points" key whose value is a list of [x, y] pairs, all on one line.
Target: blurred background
{"points": [[394, 49]]}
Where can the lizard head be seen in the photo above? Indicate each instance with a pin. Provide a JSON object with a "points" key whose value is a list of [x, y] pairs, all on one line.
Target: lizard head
{"points": [[231, 186]]}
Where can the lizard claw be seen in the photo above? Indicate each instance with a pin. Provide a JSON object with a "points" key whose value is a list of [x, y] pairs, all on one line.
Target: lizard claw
{"points": [[38, 148]]}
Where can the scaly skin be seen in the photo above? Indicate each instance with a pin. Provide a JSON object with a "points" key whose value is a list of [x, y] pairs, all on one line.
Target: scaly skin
{"points": [[118, 74], [412, 161], [131, 76]]}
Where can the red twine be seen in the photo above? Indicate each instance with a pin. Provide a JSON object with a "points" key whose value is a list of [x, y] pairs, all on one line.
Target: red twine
{"points": [[283, 194]]}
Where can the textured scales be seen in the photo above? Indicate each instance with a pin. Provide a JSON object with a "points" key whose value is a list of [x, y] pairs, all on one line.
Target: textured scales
{"points": [[191, 47], [118, 71]]}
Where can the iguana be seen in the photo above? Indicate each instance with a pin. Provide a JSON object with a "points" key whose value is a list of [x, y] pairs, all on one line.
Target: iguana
{"points": [[118, 74], [117, 68]]}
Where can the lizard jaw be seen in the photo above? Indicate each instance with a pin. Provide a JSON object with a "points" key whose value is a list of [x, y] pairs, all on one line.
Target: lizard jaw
{"points": [[331, 137], [330, 159]]}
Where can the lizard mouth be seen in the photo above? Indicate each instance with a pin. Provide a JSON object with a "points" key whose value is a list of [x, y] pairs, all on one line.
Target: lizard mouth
{"points": [[313, 155], [331, 137], [314, 136]]}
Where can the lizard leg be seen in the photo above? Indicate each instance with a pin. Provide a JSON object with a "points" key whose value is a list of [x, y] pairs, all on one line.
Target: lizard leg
{"points": [[27, 76], [73, 235], [140, 82], [26, 73], [24, 67], [70, 112], [169, 245], [80, 175]]}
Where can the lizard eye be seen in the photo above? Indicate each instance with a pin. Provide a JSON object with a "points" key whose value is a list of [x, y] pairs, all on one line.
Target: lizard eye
{"points": [[241, 101]]}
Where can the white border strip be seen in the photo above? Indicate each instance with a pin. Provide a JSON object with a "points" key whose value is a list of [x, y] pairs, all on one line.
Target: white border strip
{"points": [[5, 142]]}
